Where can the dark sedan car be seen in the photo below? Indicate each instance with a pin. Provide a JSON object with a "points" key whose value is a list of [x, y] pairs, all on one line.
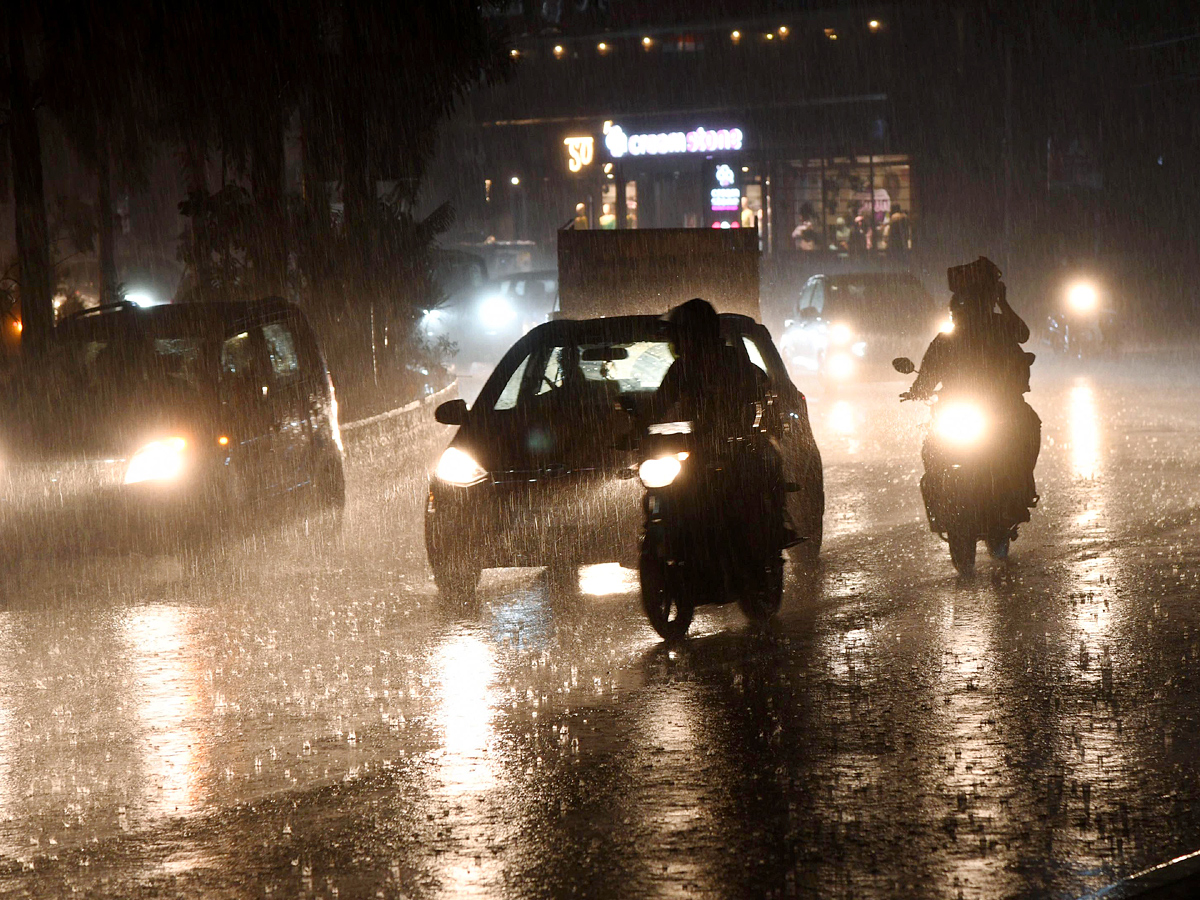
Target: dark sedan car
{"points": [[167, 417], [540, 472]]}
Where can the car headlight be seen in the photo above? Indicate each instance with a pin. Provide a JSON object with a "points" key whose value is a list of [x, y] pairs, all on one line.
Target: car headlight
{"points": [[1083, 297], [661, 471], [840, 333], [458, 468], [960, 423], [839, 365], [157, 461], [495, 313]]}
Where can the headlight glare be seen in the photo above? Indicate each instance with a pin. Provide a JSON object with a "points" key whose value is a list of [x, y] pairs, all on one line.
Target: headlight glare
{"points": [[659, 472], [458, 468], [496, 312], [1083, 297], [960, 423], [840, 333], [157, 461], [839, 366]]}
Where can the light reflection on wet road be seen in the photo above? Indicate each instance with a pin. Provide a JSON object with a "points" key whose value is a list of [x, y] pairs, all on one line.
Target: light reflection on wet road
{"points": [[291, 715]]}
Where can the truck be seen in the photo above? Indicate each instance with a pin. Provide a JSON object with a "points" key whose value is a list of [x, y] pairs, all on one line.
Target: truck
{"points": [[649, 270]]}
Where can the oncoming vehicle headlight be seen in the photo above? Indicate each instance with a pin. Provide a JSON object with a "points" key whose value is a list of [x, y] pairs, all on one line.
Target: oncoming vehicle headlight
{"points": [[157, 461], [840, 333], [839, 365], [960, 423], [496, 312], [458, 468], [947, 327], [661, 471], [1083, 297]]}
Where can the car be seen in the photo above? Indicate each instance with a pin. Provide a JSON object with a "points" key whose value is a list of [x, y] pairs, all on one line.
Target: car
{"points": [[847, 328], [542, 469], [484, 320], [165, 419]]}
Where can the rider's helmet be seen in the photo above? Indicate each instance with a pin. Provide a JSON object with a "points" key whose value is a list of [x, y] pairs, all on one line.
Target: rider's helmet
{"points": [[975, 287], [697, 327]]}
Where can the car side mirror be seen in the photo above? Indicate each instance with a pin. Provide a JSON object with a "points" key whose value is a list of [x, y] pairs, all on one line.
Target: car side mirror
{"points": [[903, 365], [452, 412]]}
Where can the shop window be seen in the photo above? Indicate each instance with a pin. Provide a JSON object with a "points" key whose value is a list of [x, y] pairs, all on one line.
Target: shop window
{"points": [[851, 205]]}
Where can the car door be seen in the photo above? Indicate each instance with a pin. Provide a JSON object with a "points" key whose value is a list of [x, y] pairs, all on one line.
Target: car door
{"points": [[801, 458], [288, 397], [247, 417]]}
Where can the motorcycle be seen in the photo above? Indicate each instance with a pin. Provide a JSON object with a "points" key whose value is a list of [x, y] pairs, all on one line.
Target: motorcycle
{"points": [[1083, 327], [972, 487], [714, 529]]}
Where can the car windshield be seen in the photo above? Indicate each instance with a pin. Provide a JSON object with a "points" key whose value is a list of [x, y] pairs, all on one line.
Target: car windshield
{"points": [[105, 367], [577, 372], [894, 304]]}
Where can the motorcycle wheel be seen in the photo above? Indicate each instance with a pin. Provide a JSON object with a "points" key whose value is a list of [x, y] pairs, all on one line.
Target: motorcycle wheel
{"points": [[669, 613], [761, 601], [962, 551], [997, 545]]}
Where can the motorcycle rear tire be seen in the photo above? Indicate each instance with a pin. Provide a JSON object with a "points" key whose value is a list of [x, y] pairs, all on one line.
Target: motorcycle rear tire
{"points": [[661, 596], [997, 545], [962, 550], [761, 601]]}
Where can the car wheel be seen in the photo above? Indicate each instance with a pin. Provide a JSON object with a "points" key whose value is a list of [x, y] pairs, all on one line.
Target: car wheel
{"points": [[329, 482]]}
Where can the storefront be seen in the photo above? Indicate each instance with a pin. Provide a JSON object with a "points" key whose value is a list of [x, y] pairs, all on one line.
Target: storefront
{"points": [[723, 175]]}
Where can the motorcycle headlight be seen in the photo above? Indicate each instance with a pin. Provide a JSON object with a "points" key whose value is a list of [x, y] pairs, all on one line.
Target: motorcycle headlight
{"points": [[839, 365], [157, 461], [947, 327], [458, 468], [661, 471], [1083, 297], [840, 333], [960, 423]]}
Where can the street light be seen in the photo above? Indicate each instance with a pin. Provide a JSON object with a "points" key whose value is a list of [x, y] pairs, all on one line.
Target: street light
{"points": [[783, 31], [646, 41], [735, 36], [558, 51], [514, 181], [873, 24]]}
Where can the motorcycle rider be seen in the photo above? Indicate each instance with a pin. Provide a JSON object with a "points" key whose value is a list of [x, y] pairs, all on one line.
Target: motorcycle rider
{"points": [[709, 382], [982, 355], [724, 395]]}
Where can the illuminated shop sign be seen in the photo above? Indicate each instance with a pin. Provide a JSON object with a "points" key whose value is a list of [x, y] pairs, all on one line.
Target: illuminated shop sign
{"points": [[580, 152], [701, 140]]}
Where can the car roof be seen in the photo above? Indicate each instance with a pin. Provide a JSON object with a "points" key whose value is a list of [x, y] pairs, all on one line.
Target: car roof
{"points": [[619, 328], [195, 318]]}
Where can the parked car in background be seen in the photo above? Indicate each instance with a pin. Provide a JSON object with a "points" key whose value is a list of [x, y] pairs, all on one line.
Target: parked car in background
{"points": [[483, 321], [165, 420], [847, 328]]}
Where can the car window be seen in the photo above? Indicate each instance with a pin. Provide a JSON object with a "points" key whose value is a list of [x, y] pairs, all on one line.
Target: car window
{"points": [[553, 373], [818, 296], [512, 388], [754, 353], [281, 348], [239, 364], [805, 296]]}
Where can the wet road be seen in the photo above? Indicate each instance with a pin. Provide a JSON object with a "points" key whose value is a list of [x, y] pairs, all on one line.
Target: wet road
{"points": [[289, 715]]}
